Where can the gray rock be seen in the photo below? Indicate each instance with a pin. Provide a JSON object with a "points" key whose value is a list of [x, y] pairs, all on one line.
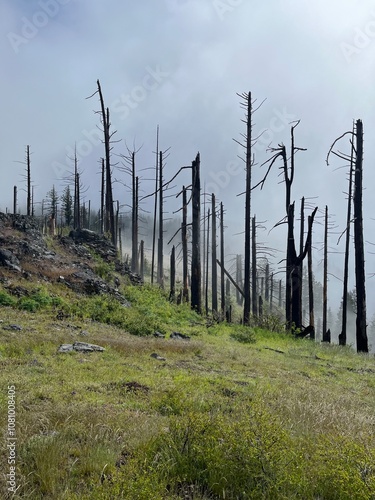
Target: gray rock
{"points": [[7, 259], [80, 347], [179, 336], [65, 348], [159, 335], [156, 356], [17, 328]]}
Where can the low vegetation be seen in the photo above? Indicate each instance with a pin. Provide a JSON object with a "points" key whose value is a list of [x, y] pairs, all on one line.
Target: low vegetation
{"points": [[232, 413]]}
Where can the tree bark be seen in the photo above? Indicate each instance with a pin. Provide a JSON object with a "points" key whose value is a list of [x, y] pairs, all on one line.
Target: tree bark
{"points": [[213, 258], [246, 311], [325, 278], [185, 291], [196, 243], [222, 276], [361, 333], [160, 276], [254, 294], [311, 290]]}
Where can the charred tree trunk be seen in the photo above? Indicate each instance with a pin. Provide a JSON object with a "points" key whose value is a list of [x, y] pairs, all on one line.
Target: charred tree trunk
{"points": [[110, 217], [160, 276], [254, 270], [361, 333], [172, 292], [280, 294], [28, 180], [311, 290], [213, 258], [102, 197], [207, 260], [246, 311], [228, 312], [267, 283], [155, 206], [185, 291], [142, 261], [342, 336], [271, 294], [239, 297], [301, 240], [196, 242], [325, 278], [295, 278], [134, 217], [222, 275], [15, 201]]}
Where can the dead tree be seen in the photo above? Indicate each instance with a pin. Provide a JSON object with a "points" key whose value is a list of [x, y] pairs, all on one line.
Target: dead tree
{"points": [[361, 333], [301, 240], [160, 266], [239, 297], [267, 283], [254, 294], [357, 163], [15, 201], [155, 205], [134, 215], [342, 336], [222, 276], [28, 173], [271, 294], [185, 290], [311, 290], [172, 292], [293, 313], [142, 260], [207, 260], [196, 298], [109, 224], [213, 258], [325, 277], [102, 198]]}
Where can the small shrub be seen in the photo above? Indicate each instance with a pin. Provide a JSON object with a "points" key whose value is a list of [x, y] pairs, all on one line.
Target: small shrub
{"points": [[6, 299]]}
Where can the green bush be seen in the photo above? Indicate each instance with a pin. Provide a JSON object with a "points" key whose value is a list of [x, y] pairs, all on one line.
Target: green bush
{"points": [[6, 299]]}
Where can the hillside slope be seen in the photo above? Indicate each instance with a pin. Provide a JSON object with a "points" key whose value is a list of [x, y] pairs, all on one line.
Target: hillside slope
{"points": [[226, 412]]}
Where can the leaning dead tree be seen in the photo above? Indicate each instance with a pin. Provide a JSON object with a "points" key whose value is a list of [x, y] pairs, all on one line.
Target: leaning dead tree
{"points": [[357, 151], [293, 310], [109, 223]]}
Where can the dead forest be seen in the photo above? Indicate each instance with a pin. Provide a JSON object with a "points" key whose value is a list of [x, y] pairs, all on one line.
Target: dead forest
{"points": [[185, 255]]}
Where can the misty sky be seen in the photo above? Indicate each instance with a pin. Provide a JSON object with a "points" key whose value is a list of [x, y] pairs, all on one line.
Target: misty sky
{"points": [[179, 64]]}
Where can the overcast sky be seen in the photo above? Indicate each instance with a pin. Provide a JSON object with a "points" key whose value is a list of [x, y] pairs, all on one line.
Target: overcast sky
{"points": [[179, 64]]}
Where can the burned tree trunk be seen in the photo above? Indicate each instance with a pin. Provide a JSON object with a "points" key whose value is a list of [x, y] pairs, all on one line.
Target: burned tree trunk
{"points": [[246, 311], [222, 275], [142, 261], [207, 261], [155, 206], [239, 297], [172, 292], [301, 240], [271, 294], [267, 283], [134, 216], [15, 201], [102, 196], [325, 278], [160, 274], [254, 270], [311, 290], [110, 217], [28, 168], [196, 242], [295, 266], [213, 258], [361, 333], [342, 336], [185, 291]]}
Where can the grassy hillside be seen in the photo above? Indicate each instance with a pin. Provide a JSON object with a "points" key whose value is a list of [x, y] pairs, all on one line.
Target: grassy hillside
{"points": [[232, 413]]}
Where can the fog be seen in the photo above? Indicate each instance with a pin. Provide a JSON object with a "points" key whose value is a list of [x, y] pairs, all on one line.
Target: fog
{"points": [[180, 64]]}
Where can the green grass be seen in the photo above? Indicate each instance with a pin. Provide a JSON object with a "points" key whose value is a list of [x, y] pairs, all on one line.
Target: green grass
{"points": [[233, 413]]}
